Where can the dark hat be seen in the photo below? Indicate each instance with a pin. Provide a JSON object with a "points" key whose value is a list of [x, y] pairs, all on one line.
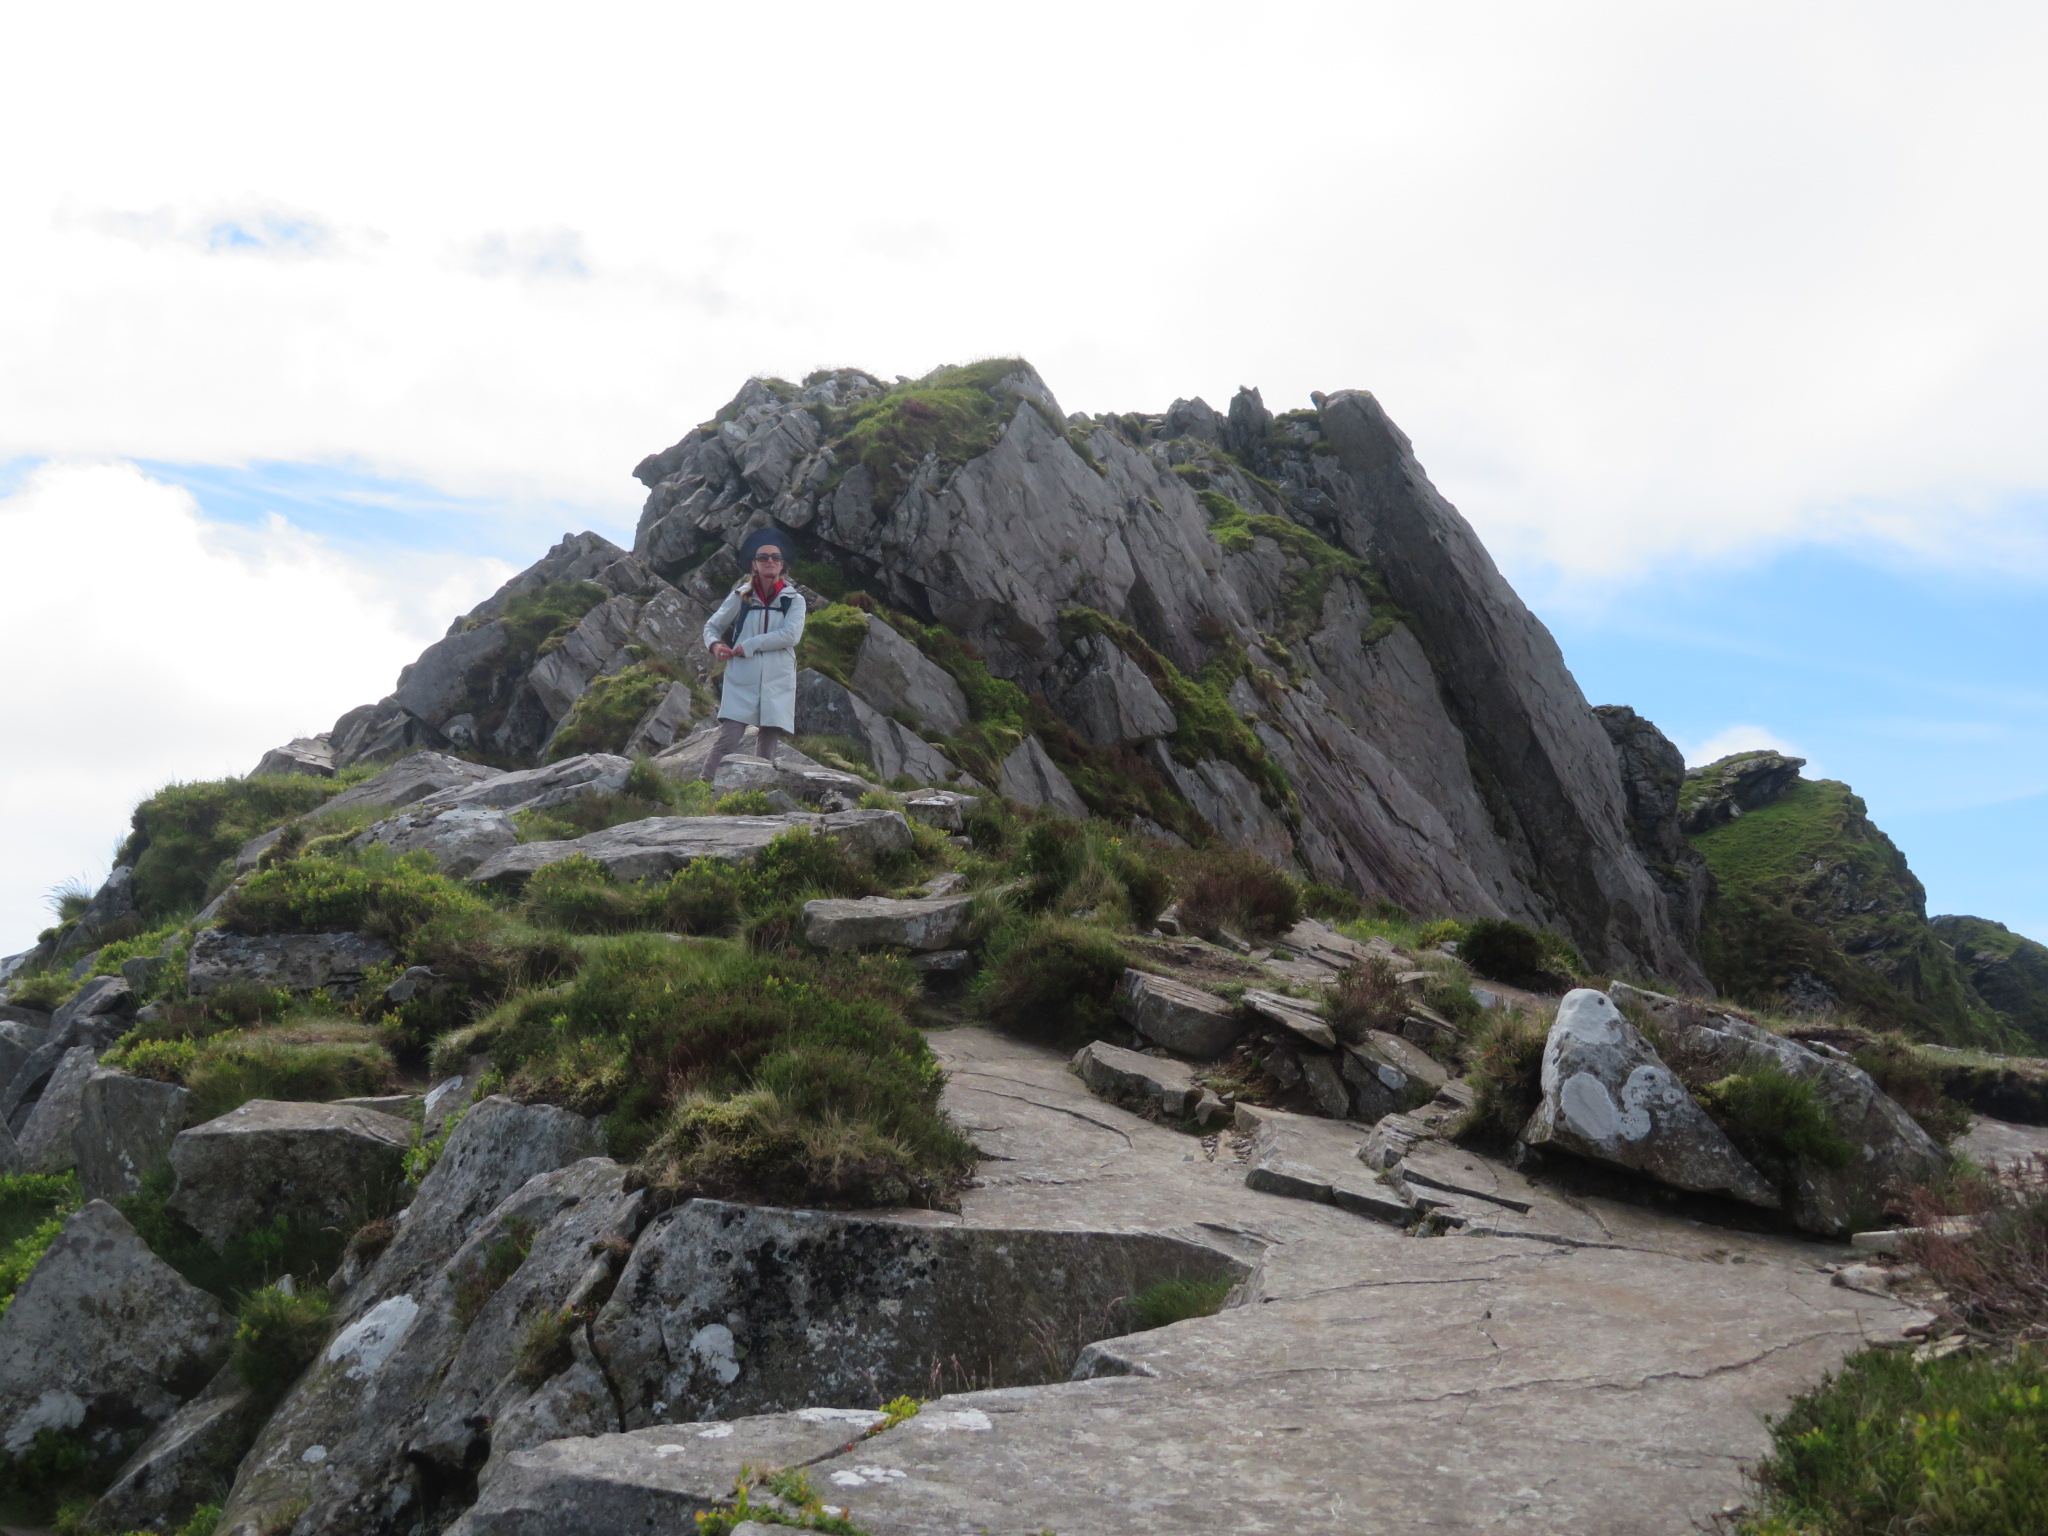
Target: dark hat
{"points": [[751, 545]]}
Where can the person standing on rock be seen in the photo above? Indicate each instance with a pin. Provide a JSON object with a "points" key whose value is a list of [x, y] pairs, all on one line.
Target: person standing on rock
{"points": [[754, 632]]}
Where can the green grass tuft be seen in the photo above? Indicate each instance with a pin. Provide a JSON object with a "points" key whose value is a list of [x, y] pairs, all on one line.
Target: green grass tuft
{"points": [[277, 1334], [1175, 1301], [604, 714]]}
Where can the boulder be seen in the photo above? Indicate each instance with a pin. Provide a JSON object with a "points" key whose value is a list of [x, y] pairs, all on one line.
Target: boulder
{"points": [[96, 1014], [900, 681], [334, 1455], [410, 779], [319, 1164], [179, 1467], [1724, 790], [1388, 1074], [1107, 697], [660, 726], [826, 708], [1182, 1018], [18, 1042], [726, 1309], [1292, 1015], [945, 809], [438, 684], [458, 839], [113, 903], [1892, 1151], [376, 733], [299, 962], [872, 922], [1608, 1097], [662, 845], [312, 756], [47, 1141], [125, 1128], [103, 1341], [1138, 1081], [1030, 776], [535, 789]]}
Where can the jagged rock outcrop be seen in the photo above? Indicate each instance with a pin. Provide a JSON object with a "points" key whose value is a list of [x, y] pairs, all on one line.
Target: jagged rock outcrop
{"points": [[1437, 751], [1653, 782]]}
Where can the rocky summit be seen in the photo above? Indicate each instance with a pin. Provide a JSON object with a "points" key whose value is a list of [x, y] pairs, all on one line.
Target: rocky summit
{"points": [[1201, 1028]]}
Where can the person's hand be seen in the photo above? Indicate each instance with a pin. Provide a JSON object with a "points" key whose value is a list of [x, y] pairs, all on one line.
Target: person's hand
{"points": [[723, 651]]}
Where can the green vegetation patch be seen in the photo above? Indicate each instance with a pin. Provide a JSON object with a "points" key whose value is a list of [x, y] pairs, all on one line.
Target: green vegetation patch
{"points": [[184, 833], [954, 413], [604, 714], [2008, 970], [278, 1331], [832, 640], [1506, 1075], [387, 896], [1808, 890], [1890, 1443], [1776, 1122], [1175, 1301], [779, 1077], [33, 1210], [1052, 978], [312, 1062], [1518, 955], [250, 1260]]}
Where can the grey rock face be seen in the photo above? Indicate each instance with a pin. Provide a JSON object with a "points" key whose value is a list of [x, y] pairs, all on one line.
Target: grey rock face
{"points": [[945, 809], [661, 725], [1652, 774], [1134, 1079], [125, 1128], [47, 1141], [824, 708], [97, 1014], [1892, 1150], [103, 1340], [873, 922], [381, 732], [302, 962], [652, 1479], [1508, 691], [1608, 1097], [412, 778], [177, 1468], [663, 844], [458, 839], [1108, 698], [1222, 796], [535, 789], [896, 678], [321, 1164], [1029, 775], [856, 1306], [312, 756], [1182, 1018], [400, 1325], [437, 685]]}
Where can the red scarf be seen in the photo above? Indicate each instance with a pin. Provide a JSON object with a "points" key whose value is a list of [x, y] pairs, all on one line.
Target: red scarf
{"points": [[766, 595]]}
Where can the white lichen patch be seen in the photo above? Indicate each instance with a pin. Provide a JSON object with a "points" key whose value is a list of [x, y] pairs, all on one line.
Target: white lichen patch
{"points": [[713, 1346], [369, 1341]]}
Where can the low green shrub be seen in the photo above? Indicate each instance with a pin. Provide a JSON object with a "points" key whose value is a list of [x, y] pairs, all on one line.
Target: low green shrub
{"points": [[493, 1267], [1508, 952], [545, 1349], [1776, 1122], [33, 1481], [387, 896], [1331, 903], [745, 802], [604, 714], [277, 1334], [580, 895], [831, 642], [706, 896], [1506, 1075], [1051, 978], [1889, 1443], [49, 991], [1367, 996], [1229, 888], [311, 1062], [33, 1210], [184, 833], [1174, 1301]]}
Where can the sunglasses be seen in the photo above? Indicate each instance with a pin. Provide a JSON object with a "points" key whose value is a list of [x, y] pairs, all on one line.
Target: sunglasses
{"points": [[767, 559]]}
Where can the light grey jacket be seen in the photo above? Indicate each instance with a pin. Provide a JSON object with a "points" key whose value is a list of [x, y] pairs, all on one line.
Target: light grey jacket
{"points": [[760, 680]]}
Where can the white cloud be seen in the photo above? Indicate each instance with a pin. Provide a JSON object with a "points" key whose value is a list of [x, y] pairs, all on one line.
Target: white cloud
{"points": [[1644, 283], [1737, 738], [148, 644]]}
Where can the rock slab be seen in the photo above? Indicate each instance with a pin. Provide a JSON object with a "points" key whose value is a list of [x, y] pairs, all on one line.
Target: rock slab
{"points": [[318, 1164]]}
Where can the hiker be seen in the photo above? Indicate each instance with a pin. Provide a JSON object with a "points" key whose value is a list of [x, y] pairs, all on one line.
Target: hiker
{"points": [[754, 632]]}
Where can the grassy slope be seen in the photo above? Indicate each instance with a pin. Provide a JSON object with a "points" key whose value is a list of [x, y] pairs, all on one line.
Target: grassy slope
{"points": [[2009, 970], [1807, 883]]}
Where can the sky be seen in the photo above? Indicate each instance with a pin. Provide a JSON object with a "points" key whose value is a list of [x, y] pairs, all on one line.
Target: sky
{"points": [[1723, 325]]}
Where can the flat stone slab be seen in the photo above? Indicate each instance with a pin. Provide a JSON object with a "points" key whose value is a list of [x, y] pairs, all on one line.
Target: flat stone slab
{"points": [[1133, 1078], [1293, 1015], [1182, 1018], [1995, 1143], [300, 962], [874, 922], [661, 845], [316, 1163]]}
